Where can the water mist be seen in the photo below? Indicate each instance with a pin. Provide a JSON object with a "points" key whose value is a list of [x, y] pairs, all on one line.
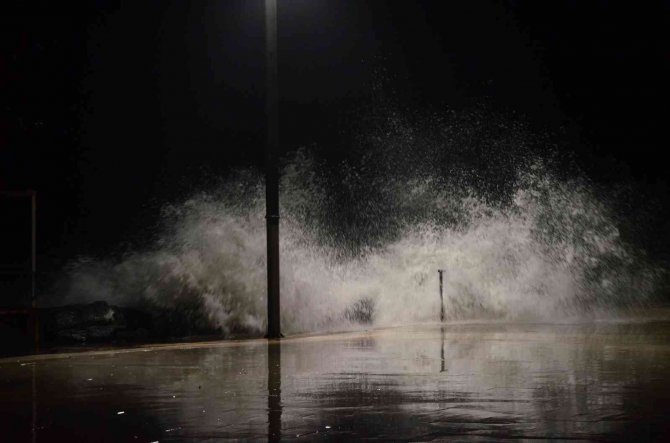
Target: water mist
{"points": [[362, 240]]}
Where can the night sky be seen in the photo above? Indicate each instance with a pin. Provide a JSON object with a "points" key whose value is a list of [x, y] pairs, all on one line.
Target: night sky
{"points": [[110, 109]]}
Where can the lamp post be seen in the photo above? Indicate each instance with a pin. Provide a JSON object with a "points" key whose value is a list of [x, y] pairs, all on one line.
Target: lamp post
{"points": [[272, 170]]}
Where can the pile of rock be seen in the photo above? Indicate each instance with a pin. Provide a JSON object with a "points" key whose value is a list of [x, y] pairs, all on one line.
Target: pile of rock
{"points": [[94, 322]]}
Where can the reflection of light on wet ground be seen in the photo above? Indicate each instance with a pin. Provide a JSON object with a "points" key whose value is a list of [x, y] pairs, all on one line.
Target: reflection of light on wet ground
{"points": [[479, 381]]}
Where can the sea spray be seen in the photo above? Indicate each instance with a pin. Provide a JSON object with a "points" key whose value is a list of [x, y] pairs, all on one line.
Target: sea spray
{"points": [[361, 244]]}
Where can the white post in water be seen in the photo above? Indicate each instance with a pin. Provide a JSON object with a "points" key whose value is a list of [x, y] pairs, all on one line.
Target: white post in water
{"points": [[440, 272]]}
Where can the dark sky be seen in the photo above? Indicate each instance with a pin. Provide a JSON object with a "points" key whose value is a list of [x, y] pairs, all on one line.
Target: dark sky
{"points": [[110, 108]]}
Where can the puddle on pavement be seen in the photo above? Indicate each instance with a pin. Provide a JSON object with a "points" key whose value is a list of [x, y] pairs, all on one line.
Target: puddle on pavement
{"points": [[602, 381]]}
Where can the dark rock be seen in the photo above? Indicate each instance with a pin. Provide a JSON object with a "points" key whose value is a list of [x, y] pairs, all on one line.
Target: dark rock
{"points": [[101, 332], [100, 322], [94, 322], [132, 335], [76, 315], [71, 336], [186, 318]]}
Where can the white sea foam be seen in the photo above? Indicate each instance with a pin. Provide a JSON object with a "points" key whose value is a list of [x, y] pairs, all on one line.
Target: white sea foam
{"points": [[545, 249]]}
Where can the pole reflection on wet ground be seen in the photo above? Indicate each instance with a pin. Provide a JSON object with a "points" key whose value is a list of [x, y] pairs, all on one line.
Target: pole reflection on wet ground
{"points": [[598, 381], [274, 390]]}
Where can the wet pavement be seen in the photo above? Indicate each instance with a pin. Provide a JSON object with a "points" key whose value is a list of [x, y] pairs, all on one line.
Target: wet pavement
{"points": [[463, 382]]}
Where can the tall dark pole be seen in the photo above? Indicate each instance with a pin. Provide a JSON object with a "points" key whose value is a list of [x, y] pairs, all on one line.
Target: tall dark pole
{"points": [[272, 170]]}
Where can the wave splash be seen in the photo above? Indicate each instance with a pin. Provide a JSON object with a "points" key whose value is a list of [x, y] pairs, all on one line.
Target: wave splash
{"points": [[363, 245]]}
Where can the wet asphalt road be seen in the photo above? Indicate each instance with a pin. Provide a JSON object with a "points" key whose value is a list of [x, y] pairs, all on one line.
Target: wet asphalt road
{"points": [[459, 382]]}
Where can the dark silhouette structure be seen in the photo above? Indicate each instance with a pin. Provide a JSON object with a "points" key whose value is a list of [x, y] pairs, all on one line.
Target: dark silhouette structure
{"points": [[18, 307], [272, 171]]}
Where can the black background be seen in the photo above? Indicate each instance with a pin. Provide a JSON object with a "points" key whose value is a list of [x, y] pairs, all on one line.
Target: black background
{"points": [[111, 108]]}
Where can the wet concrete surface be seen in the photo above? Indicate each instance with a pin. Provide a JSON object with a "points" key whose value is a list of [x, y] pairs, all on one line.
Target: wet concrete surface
{"points": [[462, 382]]}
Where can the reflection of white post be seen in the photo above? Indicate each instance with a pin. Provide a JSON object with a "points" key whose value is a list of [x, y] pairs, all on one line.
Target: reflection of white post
{"points": [[440, 272], [442, 349]]}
